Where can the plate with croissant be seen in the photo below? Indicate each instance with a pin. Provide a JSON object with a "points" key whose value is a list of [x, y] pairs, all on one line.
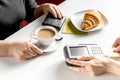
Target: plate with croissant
{"points": [[89, 20]]}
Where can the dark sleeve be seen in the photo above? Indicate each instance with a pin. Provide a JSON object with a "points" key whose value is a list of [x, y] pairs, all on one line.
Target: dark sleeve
{"points": [[30, 6]]}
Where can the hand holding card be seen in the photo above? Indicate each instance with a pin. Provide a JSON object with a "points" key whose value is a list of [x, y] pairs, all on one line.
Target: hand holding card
{"points": [[52, 21]]}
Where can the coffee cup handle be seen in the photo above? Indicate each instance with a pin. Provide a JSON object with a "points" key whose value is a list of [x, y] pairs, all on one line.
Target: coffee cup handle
{"points": [[58, 37], [34, 39]]}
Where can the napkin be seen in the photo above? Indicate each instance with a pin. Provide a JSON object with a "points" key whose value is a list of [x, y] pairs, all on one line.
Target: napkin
{"points": [[69, 28]]}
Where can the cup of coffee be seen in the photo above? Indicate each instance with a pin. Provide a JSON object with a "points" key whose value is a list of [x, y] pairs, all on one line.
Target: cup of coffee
{"points": [[45, 35]]}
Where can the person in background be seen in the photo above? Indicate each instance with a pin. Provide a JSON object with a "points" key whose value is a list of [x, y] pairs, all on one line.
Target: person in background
{"points": [[98, 65], [12, 12]]}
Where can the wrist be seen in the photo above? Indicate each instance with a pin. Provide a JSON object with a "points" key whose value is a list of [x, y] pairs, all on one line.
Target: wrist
{"points": [[38, 11], [113, 66], [4, 48], [9, 46]]}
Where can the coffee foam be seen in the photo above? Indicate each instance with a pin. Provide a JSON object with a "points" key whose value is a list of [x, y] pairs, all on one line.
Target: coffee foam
{"points": [[45, 33]]}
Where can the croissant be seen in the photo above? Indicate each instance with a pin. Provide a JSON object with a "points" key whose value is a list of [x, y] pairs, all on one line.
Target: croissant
{"points": [[92, 18]]}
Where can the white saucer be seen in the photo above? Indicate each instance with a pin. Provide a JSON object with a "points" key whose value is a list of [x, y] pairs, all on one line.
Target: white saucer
{"points": [[47, 48], [51, 47]]}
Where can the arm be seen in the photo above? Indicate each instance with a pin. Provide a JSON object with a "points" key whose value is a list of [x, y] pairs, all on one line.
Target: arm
{"points": [[19, 49], [34, 11], [114, 67], [3, 48], [95, 65], [48, 7]]}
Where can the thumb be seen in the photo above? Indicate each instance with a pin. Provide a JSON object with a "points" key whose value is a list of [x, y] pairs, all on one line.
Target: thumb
{"points": [[86, 58], [117, 49]]}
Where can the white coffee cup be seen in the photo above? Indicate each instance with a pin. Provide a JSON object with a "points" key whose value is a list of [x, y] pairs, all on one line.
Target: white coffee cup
{"points": [[45, 35]]}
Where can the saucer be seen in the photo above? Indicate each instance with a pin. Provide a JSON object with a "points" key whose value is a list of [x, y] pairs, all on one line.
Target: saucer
{"points": [[47, 48], [50, 48]]}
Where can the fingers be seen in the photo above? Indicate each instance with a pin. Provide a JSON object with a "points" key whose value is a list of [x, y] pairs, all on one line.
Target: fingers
{"points": [[29, 51], [75, 69], [58, 12], [78, 69], [82, 61], [77, 62], [55, 10], [36, 50], [116, 43], [86, 58], [25, 56], [117, 49]]}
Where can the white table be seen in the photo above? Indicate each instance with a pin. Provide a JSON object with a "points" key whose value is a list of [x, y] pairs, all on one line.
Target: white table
{"points": [[51, 66]]}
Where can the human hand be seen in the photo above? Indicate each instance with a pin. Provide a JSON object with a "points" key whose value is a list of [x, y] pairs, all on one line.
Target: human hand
{"points": [[23, 50], [116, 45], [91, 65], [55, 10], [48, 7]]}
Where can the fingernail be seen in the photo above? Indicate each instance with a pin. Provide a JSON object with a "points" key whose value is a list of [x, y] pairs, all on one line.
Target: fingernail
{"points": [[55, 16], [69, 61], [114, 49], [40, 52]]}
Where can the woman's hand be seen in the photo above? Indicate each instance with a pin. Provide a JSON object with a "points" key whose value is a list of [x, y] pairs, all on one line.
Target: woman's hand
{"points": [[116, 45], [48, 7], [90, 64], [23, 50]]}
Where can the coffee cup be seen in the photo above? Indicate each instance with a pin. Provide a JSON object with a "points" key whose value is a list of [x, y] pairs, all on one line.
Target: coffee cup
{"points": [[45, 35]]}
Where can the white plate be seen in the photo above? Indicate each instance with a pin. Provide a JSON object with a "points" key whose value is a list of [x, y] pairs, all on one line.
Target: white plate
{"points": [[77, 19]]}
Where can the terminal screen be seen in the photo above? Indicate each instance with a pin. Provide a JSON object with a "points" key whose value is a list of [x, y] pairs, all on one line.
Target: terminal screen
{"points": [[79, 50]]}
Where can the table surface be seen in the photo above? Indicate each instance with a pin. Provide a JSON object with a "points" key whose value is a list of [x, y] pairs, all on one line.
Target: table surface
{"points": [[51, 66]]}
